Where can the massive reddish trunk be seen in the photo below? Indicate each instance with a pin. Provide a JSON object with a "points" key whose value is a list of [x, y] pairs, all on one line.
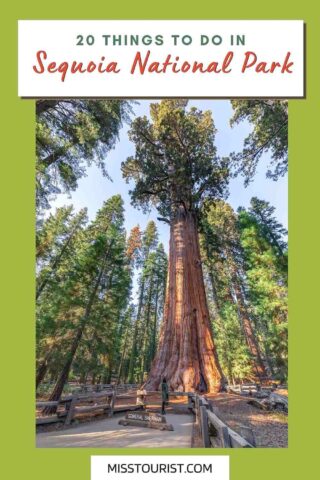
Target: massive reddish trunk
{"points": [[186, 354]]}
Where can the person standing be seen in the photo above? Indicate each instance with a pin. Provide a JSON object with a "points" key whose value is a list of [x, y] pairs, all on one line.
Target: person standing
{"points": [[165, 395], [141, 397]]}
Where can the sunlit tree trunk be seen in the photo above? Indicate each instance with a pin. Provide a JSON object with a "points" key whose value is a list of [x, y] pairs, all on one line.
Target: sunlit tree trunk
{"points": [[134, 352], [253, 345], [123, 355], [152, 348], [147, 332]]}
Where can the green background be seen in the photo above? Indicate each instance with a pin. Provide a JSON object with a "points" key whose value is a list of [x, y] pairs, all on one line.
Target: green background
{"points": [[20, 458]]}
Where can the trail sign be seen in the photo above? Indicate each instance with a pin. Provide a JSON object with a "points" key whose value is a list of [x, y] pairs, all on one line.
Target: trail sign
{"points": [[146, 419]]}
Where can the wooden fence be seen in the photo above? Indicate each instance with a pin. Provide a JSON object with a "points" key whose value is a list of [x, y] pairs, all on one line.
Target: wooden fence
{"points": [[214, 433], [247, 388], [106, 400], [71, 388]]}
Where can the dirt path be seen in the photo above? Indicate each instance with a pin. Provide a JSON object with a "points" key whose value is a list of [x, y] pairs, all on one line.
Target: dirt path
{"points": [[107, 433], [270, 428]]}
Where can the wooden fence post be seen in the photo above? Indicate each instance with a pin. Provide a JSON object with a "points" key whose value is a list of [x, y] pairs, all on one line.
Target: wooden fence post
{"points": [[113, 400], [196, 407], [204, 427], [71, 410], [225, 439], [221, 429]]}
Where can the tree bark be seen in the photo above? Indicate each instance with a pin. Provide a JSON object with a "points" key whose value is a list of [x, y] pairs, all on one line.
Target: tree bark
{"points": [[253, 346], [146, 332], [186, 354], [134, 352], [152, 349], [44, 105], [43, 367], [123, 355], [63, 377], [83, 378], [41, 372]]}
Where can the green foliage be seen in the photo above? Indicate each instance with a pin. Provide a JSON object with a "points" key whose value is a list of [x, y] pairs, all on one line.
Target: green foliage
{"points": [[89, 289], [244, 258], [152, 274], [267, 289], [271, 229], [71, 135], [269, 119], [175, 160], [220, 251], [84, 277], [55, 243], [85, 271]]}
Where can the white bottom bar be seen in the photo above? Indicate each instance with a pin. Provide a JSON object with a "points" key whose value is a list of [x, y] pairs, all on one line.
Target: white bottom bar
{"points": [[131, 467]]}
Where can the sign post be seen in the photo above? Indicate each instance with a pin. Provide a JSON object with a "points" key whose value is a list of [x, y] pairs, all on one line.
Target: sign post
{"points": [[146, 419]]}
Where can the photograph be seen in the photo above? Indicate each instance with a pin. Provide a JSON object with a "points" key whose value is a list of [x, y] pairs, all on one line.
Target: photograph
{"points": [[161, 273]]}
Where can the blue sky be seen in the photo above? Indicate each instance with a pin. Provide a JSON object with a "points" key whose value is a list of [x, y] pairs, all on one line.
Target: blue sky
{"points": [[94, 189]]}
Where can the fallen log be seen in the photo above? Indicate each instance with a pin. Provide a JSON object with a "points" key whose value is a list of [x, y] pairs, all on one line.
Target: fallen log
{"points": [[261, 395], [276, 397], [257, 404], [277, 400], [273, 402]]}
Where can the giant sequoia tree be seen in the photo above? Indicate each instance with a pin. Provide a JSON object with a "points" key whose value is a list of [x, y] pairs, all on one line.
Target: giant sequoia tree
{"points": [[175, 168]]}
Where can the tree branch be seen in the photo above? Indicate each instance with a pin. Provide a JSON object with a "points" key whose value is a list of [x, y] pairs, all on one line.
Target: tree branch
{"points": [[162, 219], [151, 143], [255, 153]]}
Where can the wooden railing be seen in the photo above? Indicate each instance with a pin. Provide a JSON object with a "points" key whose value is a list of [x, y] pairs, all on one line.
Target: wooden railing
{"points": [[246, 388], [71, 388], [62, 408], [213, 431], [66, 409]]}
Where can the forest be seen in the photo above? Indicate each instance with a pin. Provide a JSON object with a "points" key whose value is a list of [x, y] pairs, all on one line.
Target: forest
{"points": [[118, 306]]}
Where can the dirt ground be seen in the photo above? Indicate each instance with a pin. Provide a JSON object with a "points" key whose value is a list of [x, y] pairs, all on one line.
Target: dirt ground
{"points": [[270, 428], [107, 433]]}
